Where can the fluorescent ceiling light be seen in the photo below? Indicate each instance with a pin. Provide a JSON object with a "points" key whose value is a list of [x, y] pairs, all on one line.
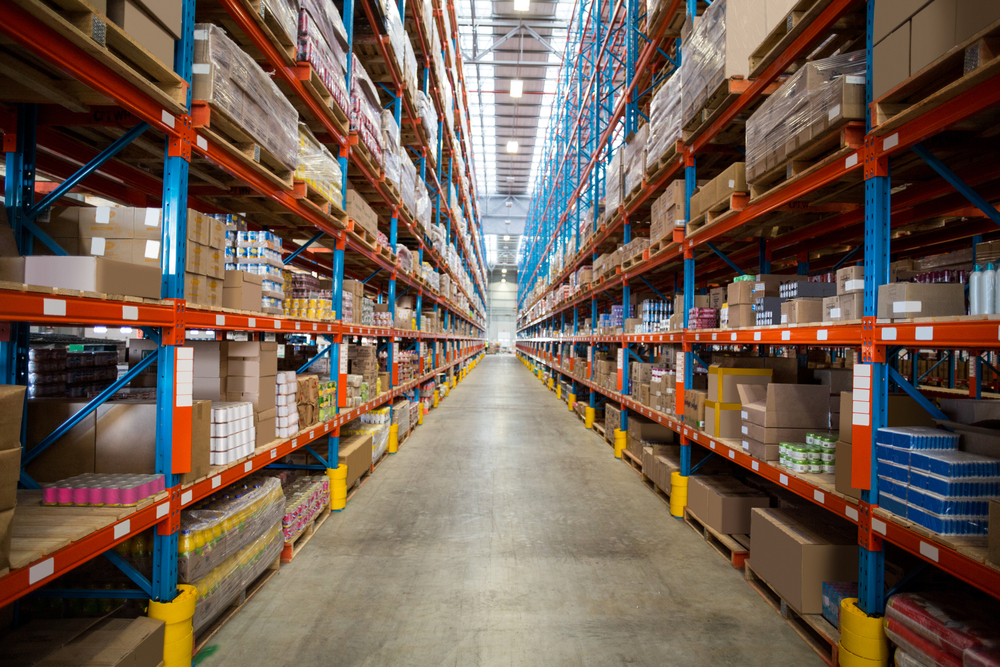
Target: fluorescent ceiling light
{"points": [[516, 87], [512, 146], [506, 237], [520, 5], [503, 270], [503, 280]]}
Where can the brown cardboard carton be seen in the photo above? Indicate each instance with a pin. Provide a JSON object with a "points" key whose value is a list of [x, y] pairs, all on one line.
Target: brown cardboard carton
{"points": [[70, 455], [796, 551], [905, 300], [970, 410], [740, 293], [359, 211], [831, 309], [12, 269], [168, 13], [356, 453], [759, 450], [264, 423], [850, 279], [241, 290], [767, 285], [723, 382], [114, 642], [93, 274], [741, 316], [112, 222], [205, 260], [724, 503], [932, 33], [837, 379], [721, 422], [733, 179], [11, 410], [891, 61], [142, 29], [852, 306], [6, 530], [643, 429], [842, 474], [890, 14], [147, 224], [974, 16], [694, 406], [10, 471], [785, 406], [802, 311]]}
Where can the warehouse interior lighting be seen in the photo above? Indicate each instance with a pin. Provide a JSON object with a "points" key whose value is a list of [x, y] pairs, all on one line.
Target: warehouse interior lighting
{"points": [[503, 280], [512, 146], [506, 237], [503, 270], [516, 87], [521, 5]]}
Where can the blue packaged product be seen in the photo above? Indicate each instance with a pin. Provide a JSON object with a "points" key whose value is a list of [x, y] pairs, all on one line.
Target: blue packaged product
{"points": [[917, 437], [980, 487], [892, 504], [953, 463], [833, 593], [897, 455], [894, 472], [946, 525], [892, 487]]}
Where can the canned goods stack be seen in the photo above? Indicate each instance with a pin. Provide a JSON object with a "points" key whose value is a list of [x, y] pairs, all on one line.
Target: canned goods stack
{"points": [[816, 455], [310, 308], [69, 374]]}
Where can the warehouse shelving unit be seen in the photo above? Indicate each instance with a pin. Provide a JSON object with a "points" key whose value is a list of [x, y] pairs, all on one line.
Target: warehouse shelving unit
{"points": [[818, 219], [112, 101]]}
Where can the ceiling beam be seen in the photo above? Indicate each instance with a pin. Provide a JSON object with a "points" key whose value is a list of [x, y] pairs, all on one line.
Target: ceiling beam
{"points": [[500, 22]]}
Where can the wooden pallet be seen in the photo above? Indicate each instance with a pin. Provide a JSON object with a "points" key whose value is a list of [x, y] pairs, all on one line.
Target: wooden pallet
{"points": [[386, 254], [391, 190], [660, 245], [657, 169], [942, 80], [206, 635], [813, 628], [259, 11], [635, 260], [308, 193], [365, 476], [365, 237], [26, 78], [632, 460], [293, 547], [654, 22], [737, 201], [721, 99], [837, 142], [798, 19], [364, 156], [734, 548], [657, 491], [215, 124]]}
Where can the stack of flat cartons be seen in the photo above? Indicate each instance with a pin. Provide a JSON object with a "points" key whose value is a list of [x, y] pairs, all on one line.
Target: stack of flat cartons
{"points": [[308, 399], [723, 503], [643, 431], [205, 260], [252, 370], [777, 413], [233, 432], [286, 414], [353, 295], [11, 409], [722, 404], [362, 360]]}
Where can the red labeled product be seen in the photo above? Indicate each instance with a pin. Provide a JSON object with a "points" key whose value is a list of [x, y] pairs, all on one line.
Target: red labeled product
{"points": [[943, 628]]}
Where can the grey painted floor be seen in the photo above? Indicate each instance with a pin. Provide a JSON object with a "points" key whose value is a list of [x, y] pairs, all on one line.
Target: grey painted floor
{"points": [[503, 533]]}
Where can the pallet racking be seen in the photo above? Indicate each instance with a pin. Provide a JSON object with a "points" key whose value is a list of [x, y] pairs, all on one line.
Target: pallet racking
{"points": [[79, 101], [917, 136]]}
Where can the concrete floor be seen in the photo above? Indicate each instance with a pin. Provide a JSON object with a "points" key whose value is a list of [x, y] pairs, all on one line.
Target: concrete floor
{"points": [[503, 533]]}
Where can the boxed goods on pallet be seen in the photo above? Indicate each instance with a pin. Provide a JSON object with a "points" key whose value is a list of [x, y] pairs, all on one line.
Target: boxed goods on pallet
{"points": [[377, 432], [390, 147], [817, 99], [11, 410], [317, 167], [118, 438], [322, 42], [428, 119], [216, 528], [910, 36], [719, 48], [613, 186], [668, 211], [408, 181], [251, 375], [241, 290], [723, 403], [305, 499], [634, 160], [664, 120], [906, 300], [154, 25], [365, 112], [136, 642], [776, 413], [795, 551], [360, 212], [259, 253], [228, 79], [723, 503], [943, 628], [843, 307], [925, 478]]}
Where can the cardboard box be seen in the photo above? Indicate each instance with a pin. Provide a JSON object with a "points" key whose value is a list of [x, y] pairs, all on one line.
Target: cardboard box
{"points": [[850, 279], [741, 316], [112, 222], [694, 406], [974, 16], [802, 311], [6, 530], [264, 424], [785, 406], [262, 401], [739, 294], [723, 383], [93, 274], [759, 450], [970, 410], [359, 211], [247, 384], [11, 410], [906, 300], [646, 430], [890, 14], [720, 421], [168, 13], [842, 473], [205, 260], [796, 551], [107, 642], [852, 306], [767, 285], [12, 269], [837, 379], [356, 453], [932, 33], [241, 290], [891, 61], [206, 230], [10, 471], [147, 32], [723, 503], [733, 179]]}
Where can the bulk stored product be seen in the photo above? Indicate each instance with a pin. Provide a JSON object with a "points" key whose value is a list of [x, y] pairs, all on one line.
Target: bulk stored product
{"points": [[95, 489], [306, 497]]}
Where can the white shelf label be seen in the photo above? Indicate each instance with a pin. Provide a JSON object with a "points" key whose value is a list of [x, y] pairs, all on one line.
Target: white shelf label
{"points": [[162, 510], [732, 336], [186, 497], [783, 479], [924, 333], [38, 572], [851, 513], [786, 335], [878, 526], [819, 496], [130, 313], [248, 466], [274, 453], [851, 161], [821, 334], [217, 481], [220, 320], [732, 454], [54, 307], [122, 529], [891, 141], [756, 335], [712, 445], [755, 465], [928, 551]]}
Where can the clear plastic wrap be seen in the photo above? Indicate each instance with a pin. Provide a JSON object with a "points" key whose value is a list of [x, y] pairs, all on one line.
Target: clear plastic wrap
{"points": [[634, 165], [819, 97], [405, 258], [306, 498], [425, 109], [704, 60], [423, 204], [318, 168], [379, 433], [396, 34], [216, 528], [664, 118], [365, 111], [218, 588], [227, 78], [408, 181], [285, 13], [322, 42], [613, 181], [944, 629]]}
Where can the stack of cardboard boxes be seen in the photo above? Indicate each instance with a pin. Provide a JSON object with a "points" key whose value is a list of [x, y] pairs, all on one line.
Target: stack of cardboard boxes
{"points": [[848, 304], [242, 291], [362, 360], [11, 409], [724, 503], [643, 431], [205, 260], [776, 413], [308, 400], [715, 195], [722, 403], [353, 296], [211, 366], [252, 367]]}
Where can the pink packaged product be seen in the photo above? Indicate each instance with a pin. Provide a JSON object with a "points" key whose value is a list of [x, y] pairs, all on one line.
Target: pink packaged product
{"points": [[944, 629], [102, 489]]}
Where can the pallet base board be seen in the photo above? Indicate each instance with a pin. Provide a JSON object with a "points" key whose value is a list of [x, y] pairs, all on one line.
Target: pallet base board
{"points": [[813, 628], [292, 548], [734, 548]]}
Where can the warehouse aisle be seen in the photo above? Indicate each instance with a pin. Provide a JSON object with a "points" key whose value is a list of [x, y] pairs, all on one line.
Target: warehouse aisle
{"points": [[503, 533]]}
